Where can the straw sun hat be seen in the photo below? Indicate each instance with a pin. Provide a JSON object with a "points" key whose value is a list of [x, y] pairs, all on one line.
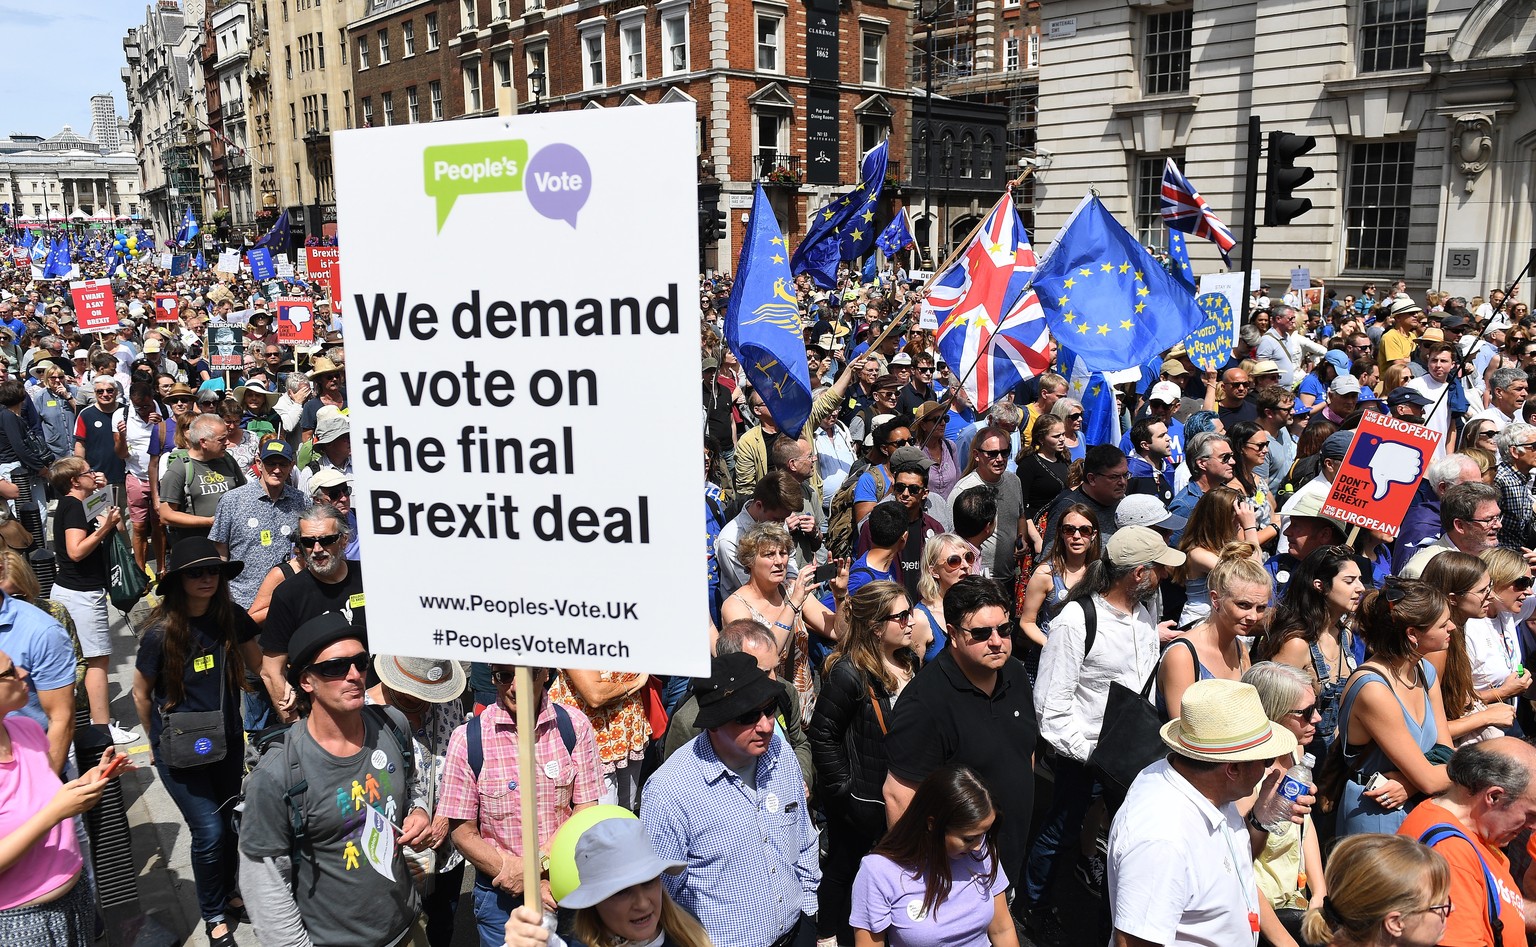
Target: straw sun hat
{"points": [[1223, 721]]}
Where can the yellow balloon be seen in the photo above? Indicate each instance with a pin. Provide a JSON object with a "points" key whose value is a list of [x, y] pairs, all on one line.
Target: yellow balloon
{"points": [[563, 876], [133, 243]]}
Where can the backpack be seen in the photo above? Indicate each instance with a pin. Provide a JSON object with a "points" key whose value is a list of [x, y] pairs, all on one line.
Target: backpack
{"points": [[474, 738], [1441, 831], [840, 524], [298, 786]]}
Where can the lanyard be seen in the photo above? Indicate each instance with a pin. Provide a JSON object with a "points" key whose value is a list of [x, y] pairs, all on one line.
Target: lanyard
{"points": [[1250, 892]]}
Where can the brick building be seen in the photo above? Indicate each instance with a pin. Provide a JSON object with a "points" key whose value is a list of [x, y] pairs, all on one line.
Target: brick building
{"points": [[795, 105]]}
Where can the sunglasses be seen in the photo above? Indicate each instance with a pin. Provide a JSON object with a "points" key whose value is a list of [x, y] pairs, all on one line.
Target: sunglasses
{"points": [[982, 633], [179, 399], [751, 717], [1523, 584], [993, 454], [901, 442], [955, 559], [327, 541], [901, 617], [337, 668], [1239, 384], [337, 492], [9, 674], [905, 488], [1078, 530], [201, 572], [1075, 416], [503, 678]]}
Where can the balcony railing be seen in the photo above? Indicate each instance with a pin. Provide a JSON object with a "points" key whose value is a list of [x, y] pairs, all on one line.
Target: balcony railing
{"points": [[775, 168], [232, 110]]}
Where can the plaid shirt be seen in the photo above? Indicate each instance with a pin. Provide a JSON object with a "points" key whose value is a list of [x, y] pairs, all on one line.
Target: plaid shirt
{"points": [[1515, 504], [493, 802]]}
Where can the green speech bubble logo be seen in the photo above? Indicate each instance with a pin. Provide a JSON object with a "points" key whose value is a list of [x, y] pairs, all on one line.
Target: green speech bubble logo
{"points": [[486, 167]]}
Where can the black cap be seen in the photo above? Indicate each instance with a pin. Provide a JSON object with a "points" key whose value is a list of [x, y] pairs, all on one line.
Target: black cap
{"points": [[1406, 395], [313, 637]]}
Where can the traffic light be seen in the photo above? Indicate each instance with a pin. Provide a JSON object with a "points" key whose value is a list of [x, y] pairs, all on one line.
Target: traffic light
{"points": [[707, 233], [722, 223], [1283, 177]]}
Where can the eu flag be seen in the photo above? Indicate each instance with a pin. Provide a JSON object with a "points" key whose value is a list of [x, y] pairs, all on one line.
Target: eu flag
{"points": [[762, 322], [276, 239], [1106, 297], [896, 236], [1178, 261], [843, 229], [198, 262], [59, 260], [189, 228]]}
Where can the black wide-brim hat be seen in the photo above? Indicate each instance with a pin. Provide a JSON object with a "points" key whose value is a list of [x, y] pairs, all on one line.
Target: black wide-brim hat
{"points": [[736, 685], [197, 551]]}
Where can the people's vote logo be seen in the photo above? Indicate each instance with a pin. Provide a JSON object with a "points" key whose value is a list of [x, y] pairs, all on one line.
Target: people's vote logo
{"points": [[1389, 462], [557, 179]]}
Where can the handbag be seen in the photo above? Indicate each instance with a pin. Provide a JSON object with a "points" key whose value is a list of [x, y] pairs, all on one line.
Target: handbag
{"points": [[1130, 739], [128, 583], [656, 716], [196, 738]]}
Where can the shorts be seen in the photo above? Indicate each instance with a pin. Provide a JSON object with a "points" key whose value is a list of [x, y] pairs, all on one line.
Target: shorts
{"points": [[92, 625], [139, 511]]}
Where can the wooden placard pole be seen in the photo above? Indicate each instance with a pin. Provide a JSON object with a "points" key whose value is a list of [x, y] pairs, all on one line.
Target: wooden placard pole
{"points": [[527, 784]]}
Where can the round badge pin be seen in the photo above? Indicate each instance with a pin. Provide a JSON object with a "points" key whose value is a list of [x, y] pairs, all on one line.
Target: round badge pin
{"points": [[434, 674], [552, 769], [915, 910], [512, 785], [771, 802], [379, 759], [203, 746], [253, 522]]}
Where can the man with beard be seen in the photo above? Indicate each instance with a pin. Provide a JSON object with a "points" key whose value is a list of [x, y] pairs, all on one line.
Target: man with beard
{"points": [[329, 583], [1076, 672]]}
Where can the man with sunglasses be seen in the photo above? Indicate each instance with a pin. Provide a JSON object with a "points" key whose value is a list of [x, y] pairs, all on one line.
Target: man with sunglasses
{"points": [[1209, 461], [193, 485], [732, 806], [328, 583], [1491, 800], [1517, 460], [920, 388], [343, 772], [992, 449], [972, 706], [332, 447], [1234, 407]]}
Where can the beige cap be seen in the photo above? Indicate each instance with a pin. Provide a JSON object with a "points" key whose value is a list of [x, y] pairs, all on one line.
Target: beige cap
{"points": [[1141, 546]]}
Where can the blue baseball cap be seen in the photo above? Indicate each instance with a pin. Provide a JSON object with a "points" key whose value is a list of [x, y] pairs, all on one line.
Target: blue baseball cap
{"points": [[1339, 361], [276, 447]]}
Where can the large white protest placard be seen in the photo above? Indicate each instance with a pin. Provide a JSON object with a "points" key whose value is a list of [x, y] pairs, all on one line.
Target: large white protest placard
{"points": [[229, 262], [523, 387]]}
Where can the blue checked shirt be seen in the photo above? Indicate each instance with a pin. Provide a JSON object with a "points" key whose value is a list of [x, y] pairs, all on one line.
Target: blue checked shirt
{"points": [[752, 856]]}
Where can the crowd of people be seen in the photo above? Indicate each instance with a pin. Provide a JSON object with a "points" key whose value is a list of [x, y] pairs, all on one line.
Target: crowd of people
{"points": [[937, 635]]}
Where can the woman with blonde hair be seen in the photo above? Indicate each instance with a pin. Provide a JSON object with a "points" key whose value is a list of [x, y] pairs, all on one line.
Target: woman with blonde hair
{"points": [[1493, 641], [1396, 376], [788, 609], [1221, 517], [1240, 590], [947, 559], [1384, 891], [1464, 580], [872, 664], [1070, 410]]}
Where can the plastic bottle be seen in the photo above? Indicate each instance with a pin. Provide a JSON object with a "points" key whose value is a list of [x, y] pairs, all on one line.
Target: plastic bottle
{"points": [[1296, 782]]}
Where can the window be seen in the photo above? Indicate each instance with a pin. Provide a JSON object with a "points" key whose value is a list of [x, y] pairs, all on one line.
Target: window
{"points": [[431, 31], [1392, 34], [1376, 206], [383, 47], [674, 32], [592, 52], [311, 113], [872, 131], [346, 103], [408, 39], [325, 112], [388, 100], [967, 156], [1032, 51], [412, 106], [435, 97], [873, 62], [293, 120], [320, 48], [469, 15], [472, 88], [503, 9], [341, 42], [366, 110], [770, 41], [288, 61], [362, 53], [965, 7], [538, 62], [1010, 54], [952, 58], [633, 36], [1165, 53], [503, 67], [984, 158], [1150, 229], [772, 137]]}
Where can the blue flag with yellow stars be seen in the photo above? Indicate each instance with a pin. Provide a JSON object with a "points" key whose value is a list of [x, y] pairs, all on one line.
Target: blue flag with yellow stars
{"points": [[1106, 297], [1178, 260], [845, 228], [762, 321]]}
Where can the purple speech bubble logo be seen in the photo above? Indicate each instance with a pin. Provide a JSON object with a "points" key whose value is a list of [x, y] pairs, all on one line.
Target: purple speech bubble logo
{"points": [[558, 182]]}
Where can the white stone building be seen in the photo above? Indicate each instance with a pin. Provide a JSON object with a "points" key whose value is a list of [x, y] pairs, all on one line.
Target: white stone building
{"points": [[168, 112], [66, 178], [1422, 110]]}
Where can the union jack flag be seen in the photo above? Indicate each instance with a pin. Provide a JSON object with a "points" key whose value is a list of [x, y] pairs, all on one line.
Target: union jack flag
{"points": [[1186, 211], [991, 329]]}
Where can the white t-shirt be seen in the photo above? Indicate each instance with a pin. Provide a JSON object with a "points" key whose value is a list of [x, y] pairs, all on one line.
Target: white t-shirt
{"points": [[1439, 418], [1180, 870]]}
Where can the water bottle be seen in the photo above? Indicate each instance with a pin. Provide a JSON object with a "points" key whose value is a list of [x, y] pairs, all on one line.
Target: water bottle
{"points": [[1296, 782]]}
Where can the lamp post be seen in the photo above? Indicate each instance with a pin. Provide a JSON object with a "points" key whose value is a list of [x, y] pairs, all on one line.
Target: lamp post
{"points": [[536, 83]]}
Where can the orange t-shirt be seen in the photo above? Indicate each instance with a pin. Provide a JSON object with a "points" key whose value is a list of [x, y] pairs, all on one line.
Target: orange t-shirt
{"points": [[1468, 925]]}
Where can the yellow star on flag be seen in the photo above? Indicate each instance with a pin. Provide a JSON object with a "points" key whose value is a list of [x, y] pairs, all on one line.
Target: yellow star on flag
{"points": [[1138, 276], [857, 235], [1140, 307], [1069, 316], [1103, 330], [1083, 328], [1143, 291], [1127, 324], [1070, 283], [1125, 267], [1085, 271], [1061, 300], [827, 215], [777, 258], [1098, 390], [777, 241], [868, 216], [1106, 267]]}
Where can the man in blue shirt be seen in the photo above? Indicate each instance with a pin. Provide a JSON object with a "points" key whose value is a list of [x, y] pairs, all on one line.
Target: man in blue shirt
{"points": [[731, 804]]}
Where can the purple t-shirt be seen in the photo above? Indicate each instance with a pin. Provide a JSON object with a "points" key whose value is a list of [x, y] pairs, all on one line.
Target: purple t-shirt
{"points": [[888, 898]]}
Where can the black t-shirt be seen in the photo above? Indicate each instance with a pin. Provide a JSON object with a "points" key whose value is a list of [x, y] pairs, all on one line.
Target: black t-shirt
{"points": [[303, 597], [201, 668], [942, 718], [90, 573]]}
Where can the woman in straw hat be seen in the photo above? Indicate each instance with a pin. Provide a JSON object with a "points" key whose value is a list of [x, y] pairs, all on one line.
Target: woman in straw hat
{"points": [[619, 899], [330, 389], [192, 659], [1386, 891], [427, 691]]}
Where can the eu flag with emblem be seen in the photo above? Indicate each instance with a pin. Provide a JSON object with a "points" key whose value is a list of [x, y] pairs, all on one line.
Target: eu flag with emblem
{"points": [[59, 261], [276, 239], [1106, 297], [189, 228], [1178, 260], [762, 321], [896, 236], [844, 228], [198, 262]]}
